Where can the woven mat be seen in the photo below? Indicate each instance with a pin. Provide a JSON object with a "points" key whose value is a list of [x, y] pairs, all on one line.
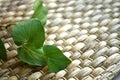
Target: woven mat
{"points": [[87, 31]]}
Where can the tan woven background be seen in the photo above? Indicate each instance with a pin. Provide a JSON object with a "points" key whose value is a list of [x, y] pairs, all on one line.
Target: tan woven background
{"points": [[87, 31]]}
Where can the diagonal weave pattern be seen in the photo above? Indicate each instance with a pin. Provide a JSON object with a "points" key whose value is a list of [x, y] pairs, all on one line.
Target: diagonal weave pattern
{"points": [[87, 31]]}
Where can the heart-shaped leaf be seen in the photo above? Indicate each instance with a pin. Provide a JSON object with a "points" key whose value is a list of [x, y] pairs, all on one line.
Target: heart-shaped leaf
{"points": [[29, 32], [3, 53], [30, 36], [40, 11], [31, 56], [56, 60]]}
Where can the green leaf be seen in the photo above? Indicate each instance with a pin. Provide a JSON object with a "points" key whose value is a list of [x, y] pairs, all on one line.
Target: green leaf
{"points": [[30, 36], [3, 53], [29, 32], [40, 11], [55, 58], [31, 55]]}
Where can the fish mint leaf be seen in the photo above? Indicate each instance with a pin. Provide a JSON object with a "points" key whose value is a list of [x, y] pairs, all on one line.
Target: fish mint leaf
{"points": [[40, 11], [56, 60], [3, 53], [29, 32]]}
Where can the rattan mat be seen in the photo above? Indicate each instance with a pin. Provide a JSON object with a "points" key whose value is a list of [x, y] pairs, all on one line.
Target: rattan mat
{"points": [[87, 31]]}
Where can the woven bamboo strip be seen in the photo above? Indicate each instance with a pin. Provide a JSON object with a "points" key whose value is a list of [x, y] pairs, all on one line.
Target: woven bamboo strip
{"points": [[87, 31]]}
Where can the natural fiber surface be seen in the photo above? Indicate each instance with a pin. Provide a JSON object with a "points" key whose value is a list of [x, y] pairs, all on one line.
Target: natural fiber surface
{"points": [[87, 31]]}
